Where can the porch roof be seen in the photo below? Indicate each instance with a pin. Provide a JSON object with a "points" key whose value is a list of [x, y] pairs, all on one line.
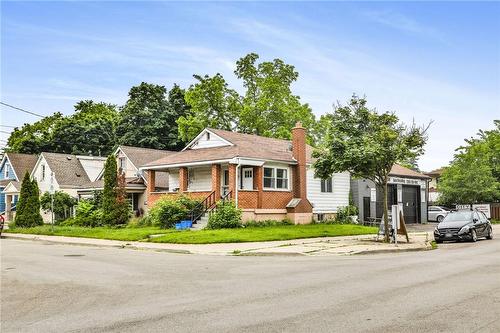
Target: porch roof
{"points": [[243, 146]]}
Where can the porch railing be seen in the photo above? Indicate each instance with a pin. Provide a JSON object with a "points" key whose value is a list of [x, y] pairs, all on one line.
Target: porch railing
{"points": [[207, 204]]}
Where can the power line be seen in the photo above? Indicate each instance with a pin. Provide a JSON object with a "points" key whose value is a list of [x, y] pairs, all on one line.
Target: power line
{"points": [[22, 110], [8, 126], [4, 132]]}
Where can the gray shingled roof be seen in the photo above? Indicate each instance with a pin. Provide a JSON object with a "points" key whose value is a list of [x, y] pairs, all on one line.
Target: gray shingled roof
{"points": [[141, 156], [68, 171], [399, 170], [22, 163], [244, 145]]}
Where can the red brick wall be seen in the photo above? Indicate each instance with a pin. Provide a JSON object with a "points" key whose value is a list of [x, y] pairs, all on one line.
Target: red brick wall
{"points": [[183, 179], [299, 153], [276, 199], [247, 199], [151, 179], [216, 179]]}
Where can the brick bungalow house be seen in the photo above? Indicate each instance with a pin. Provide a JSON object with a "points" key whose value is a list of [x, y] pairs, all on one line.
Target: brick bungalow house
{"points": [[267, 178]]}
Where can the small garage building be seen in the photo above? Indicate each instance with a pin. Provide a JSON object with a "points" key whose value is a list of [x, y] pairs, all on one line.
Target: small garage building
{"points": [[406, 187]]}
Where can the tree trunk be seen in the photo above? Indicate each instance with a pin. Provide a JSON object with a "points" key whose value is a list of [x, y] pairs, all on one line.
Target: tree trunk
{"points": [[386, 209]]}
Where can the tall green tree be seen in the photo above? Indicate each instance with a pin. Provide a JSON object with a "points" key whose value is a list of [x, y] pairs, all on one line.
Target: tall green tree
{"points": [[269, 106], [88, 131], [34, 138], [63, 203], [122, 208], [149, 120], [28, 206], [367, 144], [108, 203], [474, 174], [213, 104]]}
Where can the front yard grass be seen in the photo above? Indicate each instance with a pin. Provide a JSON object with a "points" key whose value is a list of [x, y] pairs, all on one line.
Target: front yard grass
{"points": [[260, 234], [250, 234], [122, 234]]}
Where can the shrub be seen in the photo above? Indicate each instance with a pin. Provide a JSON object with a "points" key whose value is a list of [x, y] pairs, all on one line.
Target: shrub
{"points": [[63, 203], [343, 214], [28, 207], [268, 223], [168, 211], [226, 215]]}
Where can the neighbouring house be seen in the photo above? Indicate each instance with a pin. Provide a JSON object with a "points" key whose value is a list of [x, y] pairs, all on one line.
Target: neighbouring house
{"points": [[66, 173], [267, 178], [406, 187], [128, 160], [435, 175], [12, 170]]}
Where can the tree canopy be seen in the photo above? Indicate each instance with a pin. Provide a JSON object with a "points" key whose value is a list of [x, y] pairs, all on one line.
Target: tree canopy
{"points": [[148, 119], [213, 104], [366, 144], [474, 174], [267, 108]]}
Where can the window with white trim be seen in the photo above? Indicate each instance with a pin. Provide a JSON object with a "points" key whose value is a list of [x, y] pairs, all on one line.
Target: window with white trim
{"points": [[276, 178], [122, 163], [7, 170], [327, 185], [43, 171]]}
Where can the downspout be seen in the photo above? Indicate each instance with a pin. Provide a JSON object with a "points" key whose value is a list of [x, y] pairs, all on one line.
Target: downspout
{"points": [[236, 183]]}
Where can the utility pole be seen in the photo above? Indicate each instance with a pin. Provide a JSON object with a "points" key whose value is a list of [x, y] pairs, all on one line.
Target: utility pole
{"points": [[51, 191]]}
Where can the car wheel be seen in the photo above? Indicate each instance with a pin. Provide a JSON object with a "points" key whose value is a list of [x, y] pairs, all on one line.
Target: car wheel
{"points": [[440, 218], [473, 236], [490, 234]]}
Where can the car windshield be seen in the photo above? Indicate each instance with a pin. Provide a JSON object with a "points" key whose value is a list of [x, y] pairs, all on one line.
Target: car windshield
{"points": [[458, 216]]}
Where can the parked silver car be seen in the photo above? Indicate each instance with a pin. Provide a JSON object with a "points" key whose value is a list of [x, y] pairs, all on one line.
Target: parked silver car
{"points": [[436, 213]]}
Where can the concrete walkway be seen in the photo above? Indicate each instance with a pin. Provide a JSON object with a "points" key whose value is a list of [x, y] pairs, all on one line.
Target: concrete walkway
{"points": [[310, 246]]}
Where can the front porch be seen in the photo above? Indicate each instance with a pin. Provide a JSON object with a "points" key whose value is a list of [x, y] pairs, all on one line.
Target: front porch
{"points": [[11, 193], [261, 197]]}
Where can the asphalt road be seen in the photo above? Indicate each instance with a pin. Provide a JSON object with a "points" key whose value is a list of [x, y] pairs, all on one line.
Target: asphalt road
{"points": [[61, 288]]}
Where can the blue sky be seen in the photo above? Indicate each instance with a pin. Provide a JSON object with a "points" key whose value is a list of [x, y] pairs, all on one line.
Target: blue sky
{"points": [[427, 61]]}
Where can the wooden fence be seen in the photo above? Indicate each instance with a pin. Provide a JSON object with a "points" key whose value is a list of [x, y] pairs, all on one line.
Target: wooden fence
{"points": [[495, 211]]}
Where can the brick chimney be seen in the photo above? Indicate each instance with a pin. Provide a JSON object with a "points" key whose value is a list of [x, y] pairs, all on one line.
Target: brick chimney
{"points": [[299, 153]]}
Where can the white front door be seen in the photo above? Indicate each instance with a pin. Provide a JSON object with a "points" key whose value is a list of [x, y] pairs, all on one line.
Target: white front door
{"points": [[247, 178]]}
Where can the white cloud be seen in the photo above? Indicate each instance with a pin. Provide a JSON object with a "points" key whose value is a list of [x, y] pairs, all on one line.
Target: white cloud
{"points": [[328, 75]]}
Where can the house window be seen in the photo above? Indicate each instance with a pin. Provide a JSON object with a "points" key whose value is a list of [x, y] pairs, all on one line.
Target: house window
{"points": [[326, 185], [43, 172], [276, 178], [6, 174], [208, 136], [122, 163]]}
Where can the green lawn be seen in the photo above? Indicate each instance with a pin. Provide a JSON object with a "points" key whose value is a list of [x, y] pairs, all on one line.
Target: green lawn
{"points": [[253, 234], [124, 234], [259, 234], [495, 221]]}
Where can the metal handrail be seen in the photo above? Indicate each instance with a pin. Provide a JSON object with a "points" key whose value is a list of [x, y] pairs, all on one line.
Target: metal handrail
{"points": [[201, 208]]}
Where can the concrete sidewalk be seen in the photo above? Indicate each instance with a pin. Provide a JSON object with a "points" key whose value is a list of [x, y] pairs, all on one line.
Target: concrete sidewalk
{"points": [[310, 246]]}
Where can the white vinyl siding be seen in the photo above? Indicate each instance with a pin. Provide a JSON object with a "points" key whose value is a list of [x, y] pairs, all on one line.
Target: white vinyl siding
{"points": [[173, 180], [200, 179], [328, 202], [208, 140]]}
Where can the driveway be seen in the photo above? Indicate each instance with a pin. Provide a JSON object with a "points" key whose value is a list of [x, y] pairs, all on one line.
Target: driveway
{"points": [[61, 288]]}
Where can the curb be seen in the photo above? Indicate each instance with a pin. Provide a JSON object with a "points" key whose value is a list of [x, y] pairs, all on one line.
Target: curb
{"points": [[76, 243]]}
